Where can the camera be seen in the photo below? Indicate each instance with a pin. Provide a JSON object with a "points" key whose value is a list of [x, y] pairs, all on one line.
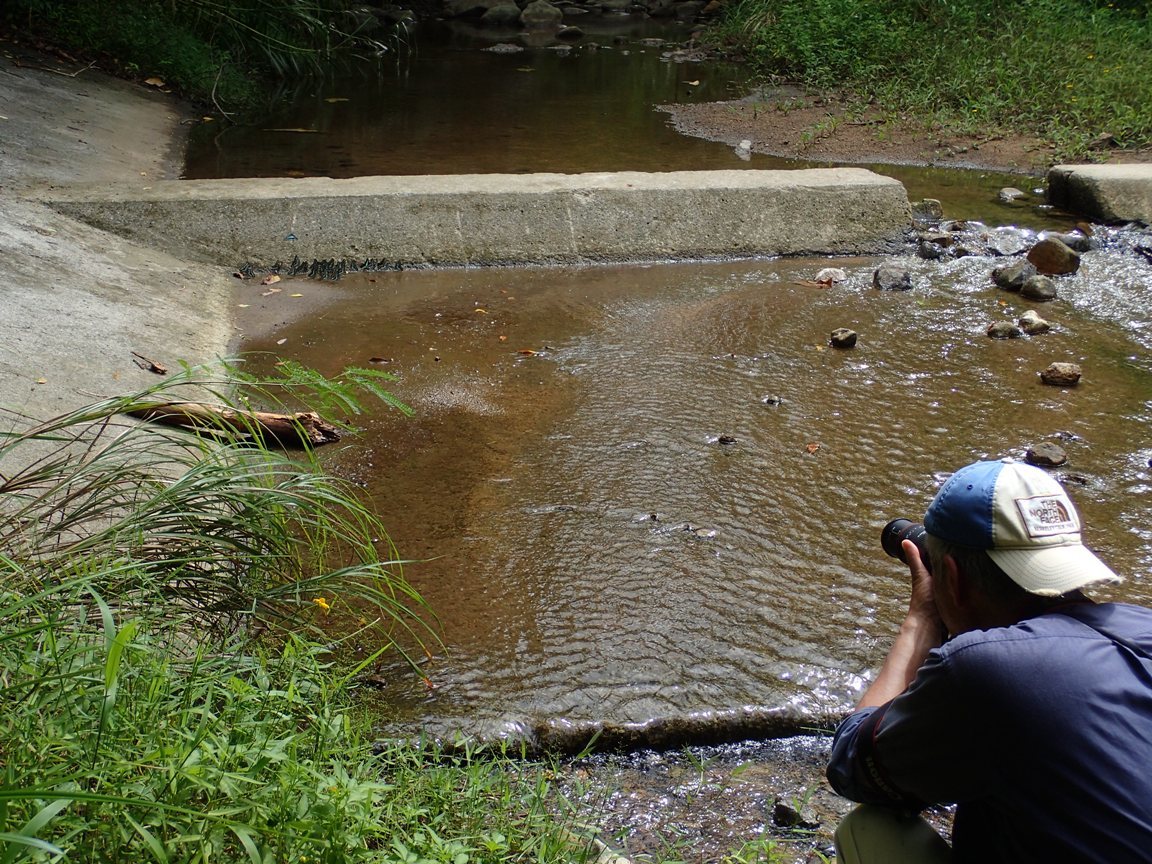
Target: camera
{"points": [[898, 530]]}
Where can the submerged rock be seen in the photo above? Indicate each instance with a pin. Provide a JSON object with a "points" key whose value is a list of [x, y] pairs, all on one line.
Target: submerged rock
{"points": [[889, 277], [1038, 288], [842, 337], [1032, 324], [1053, 258], [1012, 276], [1061, 374], [1004, 330], [1046, 455], [541, 15]]}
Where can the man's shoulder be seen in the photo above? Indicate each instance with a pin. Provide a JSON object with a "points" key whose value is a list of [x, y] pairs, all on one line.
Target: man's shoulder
{"points": [[1065, 626]]}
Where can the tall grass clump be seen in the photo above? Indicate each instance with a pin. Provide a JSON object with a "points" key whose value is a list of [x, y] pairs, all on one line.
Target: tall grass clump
{"points": [[209, 50], [1067, 70], [172, 682]]}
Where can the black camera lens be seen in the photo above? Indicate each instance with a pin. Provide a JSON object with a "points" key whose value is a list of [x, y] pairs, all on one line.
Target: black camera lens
{"points": [[899, 530]]}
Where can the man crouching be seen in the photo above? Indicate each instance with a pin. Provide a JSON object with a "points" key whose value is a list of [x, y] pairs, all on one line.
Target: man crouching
{"points": [[1007, 692]]}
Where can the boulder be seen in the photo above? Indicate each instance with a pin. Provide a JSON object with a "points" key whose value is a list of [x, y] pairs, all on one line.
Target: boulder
{"points": [[889, 277], [1032, 324], [1007, 240], [502, 15], [1053, 258], [829, 275], [1038, 288], [1046, 455], [689, 10], [842, 337], [1061, 374], [541, 15], [1004, 330], [570, 33], [1010, 193], [1075, 241], [1013, 275], [927, 211]]}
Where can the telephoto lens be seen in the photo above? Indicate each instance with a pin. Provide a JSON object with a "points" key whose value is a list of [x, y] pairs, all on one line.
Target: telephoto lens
{"points": [[899, 530]]}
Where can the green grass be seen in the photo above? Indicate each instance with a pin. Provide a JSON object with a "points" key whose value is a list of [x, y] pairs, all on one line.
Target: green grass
{"points": [[1067, 70], [221, 53], [172, 686]]}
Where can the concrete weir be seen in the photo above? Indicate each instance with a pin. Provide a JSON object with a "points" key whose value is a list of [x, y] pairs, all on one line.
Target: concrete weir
{"points": [[1106, 193], [493, 219]]}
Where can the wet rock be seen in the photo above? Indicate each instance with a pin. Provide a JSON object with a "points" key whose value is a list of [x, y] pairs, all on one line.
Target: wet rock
{"points": [[797, 815], [842, 337], [1010, 193], [504, 48], [1013, 275], [465, 8], [889, 277], [830, 275], [1075, 240], [1004, 330], [570, 33], [502, 15], [541, 15], [1046, 455], [936, 238], [727, 440], [930, 251], [1007, 240], [1038, 288], [927, 211], [1052, 258], [1032, 324], [1061, 374], [772, 401]]}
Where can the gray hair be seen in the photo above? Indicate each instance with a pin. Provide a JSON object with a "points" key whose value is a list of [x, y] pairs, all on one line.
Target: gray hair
{"points": [[977, 568]]}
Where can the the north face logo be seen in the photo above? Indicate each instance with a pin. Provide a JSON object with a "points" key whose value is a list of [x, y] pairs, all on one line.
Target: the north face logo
{"points": [[1047, 515]]}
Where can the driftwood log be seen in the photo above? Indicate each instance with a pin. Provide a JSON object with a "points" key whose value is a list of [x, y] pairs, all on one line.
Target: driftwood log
{"points": [[303, 429]]}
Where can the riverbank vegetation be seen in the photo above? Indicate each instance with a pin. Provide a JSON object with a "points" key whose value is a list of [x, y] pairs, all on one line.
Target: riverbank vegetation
{"points": [[216, 52], [1075, 72], [176, 680]]}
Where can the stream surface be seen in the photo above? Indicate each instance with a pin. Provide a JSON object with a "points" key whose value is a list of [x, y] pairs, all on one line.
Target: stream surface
{"points": [[649, 498]]}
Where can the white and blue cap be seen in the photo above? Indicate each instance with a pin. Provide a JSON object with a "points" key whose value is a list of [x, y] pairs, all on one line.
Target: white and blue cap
{"points": [[1024, 519]]}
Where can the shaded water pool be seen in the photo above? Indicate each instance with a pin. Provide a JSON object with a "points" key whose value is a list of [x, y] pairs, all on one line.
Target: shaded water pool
{"points": [[651, 495]]}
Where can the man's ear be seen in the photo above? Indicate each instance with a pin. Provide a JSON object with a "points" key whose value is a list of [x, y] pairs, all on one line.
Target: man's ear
{"points": [[953, 584]]}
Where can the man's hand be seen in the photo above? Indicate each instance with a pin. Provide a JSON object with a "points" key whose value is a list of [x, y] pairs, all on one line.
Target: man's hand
{"points": [[921, 631]]}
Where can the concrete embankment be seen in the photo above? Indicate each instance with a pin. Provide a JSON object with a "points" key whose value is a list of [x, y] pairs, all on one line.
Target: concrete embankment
{"points": [[1104, 193], [504, 219]]}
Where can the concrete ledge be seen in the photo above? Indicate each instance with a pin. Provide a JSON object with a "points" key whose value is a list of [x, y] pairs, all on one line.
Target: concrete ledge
{"points": [[1104, 193], [486, 219]]}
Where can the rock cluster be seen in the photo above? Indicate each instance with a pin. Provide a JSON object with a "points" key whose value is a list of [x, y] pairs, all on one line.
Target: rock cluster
{"points": [[551, 15]]}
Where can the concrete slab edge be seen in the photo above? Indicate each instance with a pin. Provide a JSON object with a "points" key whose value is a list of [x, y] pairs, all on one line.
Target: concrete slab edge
{"points": [[479, 220], [1110, 194]]}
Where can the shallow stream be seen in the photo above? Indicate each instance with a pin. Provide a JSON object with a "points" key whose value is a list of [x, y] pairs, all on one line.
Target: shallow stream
{"points": [[646, 500]]}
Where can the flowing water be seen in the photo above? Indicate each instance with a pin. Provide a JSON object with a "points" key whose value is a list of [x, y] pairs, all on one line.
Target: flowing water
{"points": [[647, 499]]}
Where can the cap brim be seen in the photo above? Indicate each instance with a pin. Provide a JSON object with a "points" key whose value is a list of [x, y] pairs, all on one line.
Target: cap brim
{"points": [[1053, 570]]}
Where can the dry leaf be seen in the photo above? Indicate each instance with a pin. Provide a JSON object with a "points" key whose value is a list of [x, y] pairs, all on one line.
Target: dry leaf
{"points": [[503, 338], [270, 292], [41, 380], [149, 364], [480, 311], [295, 295], [271, 279], [281, 341], [154, 82], [336, 99], [242, 305], [695, 83], [812, 448], [527, 352]]}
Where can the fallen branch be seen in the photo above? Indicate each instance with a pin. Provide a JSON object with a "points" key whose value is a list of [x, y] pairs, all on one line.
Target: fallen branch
{"points": [[304, 429]]}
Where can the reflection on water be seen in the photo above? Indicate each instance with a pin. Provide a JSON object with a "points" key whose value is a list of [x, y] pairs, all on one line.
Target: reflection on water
{"points": [[449, 107], [655, 491]]}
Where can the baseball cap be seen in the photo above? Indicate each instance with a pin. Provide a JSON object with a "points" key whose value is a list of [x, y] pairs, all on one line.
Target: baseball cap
{"points": [[1024, 519]]}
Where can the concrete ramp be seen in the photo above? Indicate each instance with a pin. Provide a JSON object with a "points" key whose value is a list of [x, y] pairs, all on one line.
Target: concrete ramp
{"points": [[1105, 193], [492, 219]]}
